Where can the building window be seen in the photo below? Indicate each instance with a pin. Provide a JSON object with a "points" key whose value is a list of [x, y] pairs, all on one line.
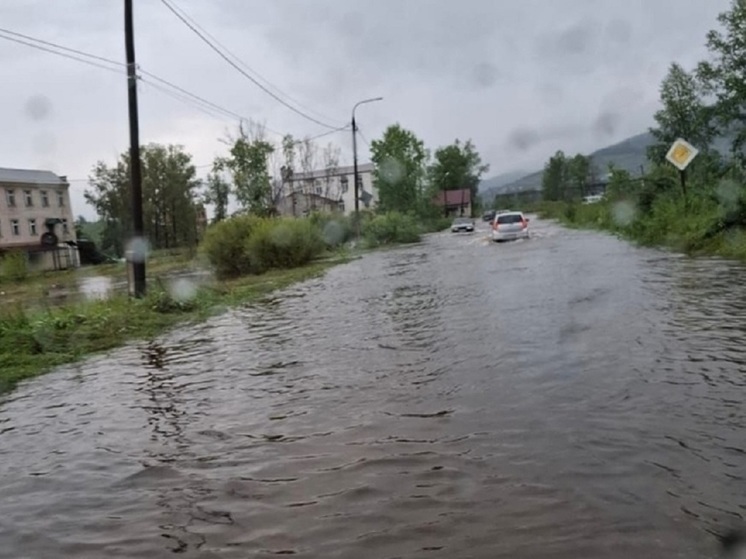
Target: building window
{"points": [[29, 198], [10, 197], [64, 226], [15, 228], [32, 227], [345, 184], [44, 199], [60, 199]]}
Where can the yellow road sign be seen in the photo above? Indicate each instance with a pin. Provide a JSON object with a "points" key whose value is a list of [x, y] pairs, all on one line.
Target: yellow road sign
{"points": [[681, 154]]}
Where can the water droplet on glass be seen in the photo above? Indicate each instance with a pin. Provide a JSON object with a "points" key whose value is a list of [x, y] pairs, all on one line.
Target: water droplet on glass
{"points": [[623, 213], [728, 193], [392, 170], [138, 249], [38, 107], [182, 289], [333, 233]]}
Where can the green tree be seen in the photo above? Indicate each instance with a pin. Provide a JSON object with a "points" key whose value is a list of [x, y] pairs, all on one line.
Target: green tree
{"points": [[457, 166], [621, 185], [169, 187], [555, 177], [684, 114], [724, 75], [577, 176], [249, 164], [170, 191], [217, 194], [399, 174]]}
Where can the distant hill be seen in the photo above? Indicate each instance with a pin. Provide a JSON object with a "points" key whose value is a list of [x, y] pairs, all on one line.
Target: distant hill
{"points": [[629, 154], [500, 181]]}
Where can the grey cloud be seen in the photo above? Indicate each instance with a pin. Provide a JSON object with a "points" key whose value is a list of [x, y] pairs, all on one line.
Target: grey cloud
{"points": [[619, 31]]}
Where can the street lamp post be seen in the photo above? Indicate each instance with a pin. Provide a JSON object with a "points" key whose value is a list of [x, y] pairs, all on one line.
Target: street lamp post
{"points": [[354, 162]]}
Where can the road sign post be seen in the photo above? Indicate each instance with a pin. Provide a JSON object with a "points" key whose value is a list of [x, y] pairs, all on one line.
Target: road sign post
{"points": [[680, 155]]}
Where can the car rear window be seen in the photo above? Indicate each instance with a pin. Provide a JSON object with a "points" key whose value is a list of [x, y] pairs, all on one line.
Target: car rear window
{"points": [[509, 218]]}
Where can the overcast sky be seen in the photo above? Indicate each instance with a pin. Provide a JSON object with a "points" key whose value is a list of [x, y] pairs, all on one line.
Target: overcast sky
{"points": [[521, 78]]}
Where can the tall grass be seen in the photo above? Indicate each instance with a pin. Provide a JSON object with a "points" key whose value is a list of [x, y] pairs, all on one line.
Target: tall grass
{"points": [[13, 266], [702, 223]]}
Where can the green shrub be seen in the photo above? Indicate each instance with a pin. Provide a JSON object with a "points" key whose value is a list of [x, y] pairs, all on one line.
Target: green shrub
{"points": [[14, 266], [224, 245], [16, 334], [252, 245], [283, 243], [335, 229], [391, 228], [435, 224], [163, 302]]}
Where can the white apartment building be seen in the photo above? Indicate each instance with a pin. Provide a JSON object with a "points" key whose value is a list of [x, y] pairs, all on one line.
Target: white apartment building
{"points": [[328, 189], [36, 218]]}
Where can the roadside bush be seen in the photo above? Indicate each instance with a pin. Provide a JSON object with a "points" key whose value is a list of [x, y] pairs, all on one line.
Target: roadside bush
{"points": [[14, 266], [225, 245], [252, 245], [435, 224], [391, 228], [335, 229], [283, 243]]}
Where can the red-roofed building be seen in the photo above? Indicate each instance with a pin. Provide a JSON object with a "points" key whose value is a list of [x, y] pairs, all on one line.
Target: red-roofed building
{"points": [[455, 202]]}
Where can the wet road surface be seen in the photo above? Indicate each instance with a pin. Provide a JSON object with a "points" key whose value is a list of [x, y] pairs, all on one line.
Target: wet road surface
{"points": [[566, 396]]}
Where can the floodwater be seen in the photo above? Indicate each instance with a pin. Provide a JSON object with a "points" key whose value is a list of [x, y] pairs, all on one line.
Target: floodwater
{"points": [[567, 396]]}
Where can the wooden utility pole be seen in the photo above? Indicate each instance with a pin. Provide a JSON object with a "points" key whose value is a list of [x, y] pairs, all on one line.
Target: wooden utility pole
{"points": [[137, 253]]}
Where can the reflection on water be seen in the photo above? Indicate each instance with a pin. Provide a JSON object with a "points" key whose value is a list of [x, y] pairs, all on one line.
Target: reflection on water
{"points": [[570, 396]]}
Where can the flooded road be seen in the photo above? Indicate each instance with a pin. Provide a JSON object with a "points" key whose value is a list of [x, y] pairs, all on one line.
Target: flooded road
{"points": [[566, 396]]}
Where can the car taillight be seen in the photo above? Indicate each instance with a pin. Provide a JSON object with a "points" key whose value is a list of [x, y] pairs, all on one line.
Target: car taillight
{"points": [[524, 223]]}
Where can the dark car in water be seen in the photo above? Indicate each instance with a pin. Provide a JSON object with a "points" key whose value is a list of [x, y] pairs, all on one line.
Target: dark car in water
{"points": [[489, 215]]}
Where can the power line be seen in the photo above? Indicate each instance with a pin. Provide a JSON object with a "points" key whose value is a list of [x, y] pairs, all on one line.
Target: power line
{"points": [[119, 65], [208, 107], [205, 165], [241, 70], [367, 143], [245, 65], [68, 49], [71, 57]]}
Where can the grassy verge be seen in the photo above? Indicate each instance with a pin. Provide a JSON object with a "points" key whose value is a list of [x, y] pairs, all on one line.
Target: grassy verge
{"points": [[38, 285], [32, 341], [697, 227], [251, 256]]}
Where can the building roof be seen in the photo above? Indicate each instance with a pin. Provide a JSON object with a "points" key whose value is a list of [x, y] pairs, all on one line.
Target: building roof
{"points": [[339, 171], [30, 176], [453, 197]]}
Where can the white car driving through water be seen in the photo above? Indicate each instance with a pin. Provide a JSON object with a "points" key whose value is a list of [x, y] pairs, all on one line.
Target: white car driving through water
{"points": [[509, 226]]}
